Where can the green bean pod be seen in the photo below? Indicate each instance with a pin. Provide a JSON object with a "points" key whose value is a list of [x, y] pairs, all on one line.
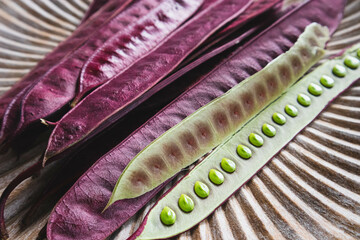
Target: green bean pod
{"points": [[152, 227], [212, 124]]}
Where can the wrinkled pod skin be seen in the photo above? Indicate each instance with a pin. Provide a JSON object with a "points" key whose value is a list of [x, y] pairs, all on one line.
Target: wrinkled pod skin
{"points": [[109, 100], [102, 66], [148, 12], [92, 191], [49, 123], [95, 5], [60, 82], [212, 124], [117, 53], [9, 102], [272, 10], [152, 227]]}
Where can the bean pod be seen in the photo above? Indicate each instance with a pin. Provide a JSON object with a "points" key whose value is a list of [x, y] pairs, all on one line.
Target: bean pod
{"points": [[152, 228], [212, 124]]}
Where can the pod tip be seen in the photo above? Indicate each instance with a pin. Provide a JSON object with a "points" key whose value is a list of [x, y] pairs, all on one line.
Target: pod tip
{"points": [[107, 206]]}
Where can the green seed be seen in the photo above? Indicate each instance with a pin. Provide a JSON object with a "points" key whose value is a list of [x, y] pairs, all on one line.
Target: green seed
{"points": [[167, 216], [216, 177], [315, 89], [339, 71], [186, 203], [243, 151], [291, 110], [279, 118], [201, 189], [256, 140], [327, 81], [304, 100], [268, 130], [352, 62], [227, 165]]}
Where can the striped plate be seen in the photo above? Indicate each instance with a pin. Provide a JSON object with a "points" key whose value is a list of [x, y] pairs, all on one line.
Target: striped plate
{"points": [[310, 190]]}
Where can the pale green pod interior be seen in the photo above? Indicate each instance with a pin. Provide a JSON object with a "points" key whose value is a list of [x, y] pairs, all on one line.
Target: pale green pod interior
{"points": [[212, 124], [246, 168]]}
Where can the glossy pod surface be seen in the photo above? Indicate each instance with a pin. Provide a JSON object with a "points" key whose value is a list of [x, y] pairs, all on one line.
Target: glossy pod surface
{"points": [[60, 81], [252, 57], [9, 102], [110, 101], [152, 227], [94, 6], [210, 125], [125, 47]]}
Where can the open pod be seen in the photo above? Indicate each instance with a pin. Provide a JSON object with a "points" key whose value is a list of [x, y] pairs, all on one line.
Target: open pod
{"points": [[212, 124], [111, 100], [118, 42], [249, 149], [78, 213]]}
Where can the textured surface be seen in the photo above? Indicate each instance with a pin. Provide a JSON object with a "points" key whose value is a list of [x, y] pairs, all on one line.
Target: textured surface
{"points": [[310, 190], [30, 29], [78, 212]]}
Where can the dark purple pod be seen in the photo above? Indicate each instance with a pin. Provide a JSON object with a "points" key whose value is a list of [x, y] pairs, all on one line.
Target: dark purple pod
{"points": [[95, 5], [56, 88], [80, 35], [104, 63], [272, 10], [10, 101], [117, 53], [104, 105], [60, 84], [80, 162], [95, 149], [78, 213]]}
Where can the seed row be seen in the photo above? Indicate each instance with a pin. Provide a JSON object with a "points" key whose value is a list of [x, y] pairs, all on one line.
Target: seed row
{"points": [[186, 204]]}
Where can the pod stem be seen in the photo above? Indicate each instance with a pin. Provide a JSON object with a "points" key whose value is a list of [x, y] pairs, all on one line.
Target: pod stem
{"points": [[5, 195], [75, 102], [48, 123]]}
